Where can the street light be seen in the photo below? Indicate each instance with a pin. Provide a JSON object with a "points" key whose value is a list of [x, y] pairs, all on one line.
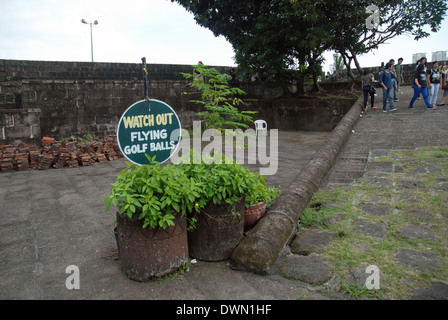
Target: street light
{"points": [[91, 36]]}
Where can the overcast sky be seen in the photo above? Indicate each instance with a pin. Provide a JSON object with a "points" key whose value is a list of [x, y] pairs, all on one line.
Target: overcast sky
{"points": [[159, 30], [127, 30]]}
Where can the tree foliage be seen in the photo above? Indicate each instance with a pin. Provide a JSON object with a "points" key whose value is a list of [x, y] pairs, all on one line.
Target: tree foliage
{"points": [[351, 36], [338, 64], [219, 100], [285, 39]]}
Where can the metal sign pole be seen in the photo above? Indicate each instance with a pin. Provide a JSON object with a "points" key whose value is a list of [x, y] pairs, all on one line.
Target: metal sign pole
{"points": [[142, 132], [145, 78]]}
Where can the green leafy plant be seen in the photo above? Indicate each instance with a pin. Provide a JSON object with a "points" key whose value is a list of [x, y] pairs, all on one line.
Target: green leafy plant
{"points": [[219, 100], [225, 182], [228, 181], [258, 190], [154, 193]]}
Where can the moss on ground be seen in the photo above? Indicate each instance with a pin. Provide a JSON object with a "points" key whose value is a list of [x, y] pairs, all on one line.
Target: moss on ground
{"points": [[416, 194]]}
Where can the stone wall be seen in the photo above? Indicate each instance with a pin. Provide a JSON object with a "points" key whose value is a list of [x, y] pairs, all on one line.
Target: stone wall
{"points": [[292, 113], [78, 107], [61, 99], [76, 98], [20, 125], [408, 73], [59, 70]]}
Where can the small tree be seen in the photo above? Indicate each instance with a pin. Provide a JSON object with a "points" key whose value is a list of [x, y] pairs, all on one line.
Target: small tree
{"points": [[219, 100], [338, 62]]}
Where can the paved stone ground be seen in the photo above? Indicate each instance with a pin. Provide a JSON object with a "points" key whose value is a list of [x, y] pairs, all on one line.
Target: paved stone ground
{"points": [[55, 218], [369, 165]]}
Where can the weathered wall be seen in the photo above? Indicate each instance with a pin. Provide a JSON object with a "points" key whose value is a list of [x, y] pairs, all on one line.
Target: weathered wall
{"points": [[77, 107], [20, 125], [59, 70], [72, 98], [291, 113], [408, 73], [76, 98]]}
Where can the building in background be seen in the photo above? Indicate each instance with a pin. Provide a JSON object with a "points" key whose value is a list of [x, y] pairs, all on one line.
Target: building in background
{"points": [[417, 56], [439, 56], [435, 56]]}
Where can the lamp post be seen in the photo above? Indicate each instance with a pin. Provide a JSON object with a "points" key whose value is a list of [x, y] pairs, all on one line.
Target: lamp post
{"points": [[91, 36]]}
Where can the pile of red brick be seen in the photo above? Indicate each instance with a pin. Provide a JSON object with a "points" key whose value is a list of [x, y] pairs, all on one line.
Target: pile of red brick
{"points": [[66, 154]]}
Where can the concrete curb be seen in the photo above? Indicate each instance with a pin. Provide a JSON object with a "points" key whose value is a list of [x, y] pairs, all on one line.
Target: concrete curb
{"points": [[261, 249]]}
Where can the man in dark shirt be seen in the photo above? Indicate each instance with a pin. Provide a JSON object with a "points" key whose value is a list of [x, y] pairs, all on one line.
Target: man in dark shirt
{"points": [[387, 85]]}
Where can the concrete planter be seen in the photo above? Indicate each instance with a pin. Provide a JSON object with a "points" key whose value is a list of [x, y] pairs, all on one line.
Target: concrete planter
{"points": [[217, 232], [147, 253], [254, 213]]}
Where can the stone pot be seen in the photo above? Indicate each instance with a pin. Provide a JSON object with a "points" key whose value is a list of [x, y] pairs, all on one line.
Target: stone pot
{"points": [[116, 240], [218, 232], [254, 213], [147, 253]]}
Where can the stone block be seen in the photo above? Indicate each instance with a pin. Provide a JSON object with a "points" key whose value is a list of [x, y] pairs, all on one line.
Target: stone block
{"points": [[385, 166], [311, 240], [310, 269], [421, 261], [376, 230]]}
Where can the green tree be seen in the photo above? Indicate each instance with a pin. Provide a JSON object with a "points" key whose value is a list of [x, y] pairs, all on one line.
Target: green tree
{"points": [[338, 62], [282, 41], [351, 37], [219, 100], [285, 39]]}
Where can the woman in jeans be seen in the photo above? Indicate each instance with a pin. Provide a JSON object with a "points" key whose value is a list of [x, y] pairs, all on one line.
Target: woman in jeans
{"points": [[444, 88], [367, 88], [434, 83], [385, 81], [420, 86]]}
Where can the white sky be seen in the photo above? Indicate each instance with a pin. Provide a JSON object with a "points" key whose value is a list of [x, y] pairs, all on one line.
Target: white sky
{"points": [[402, 47], [159, 30], [127, 30]]}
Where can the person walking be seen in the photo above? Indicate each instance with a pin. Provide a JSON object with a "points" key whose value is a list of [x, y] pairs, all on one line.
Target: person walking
{"points": [[434, 79], [420, 61], [444, 69], [386, 83], [400, 78], [445, 94], [394, 76], [420, 87], [368, 89]]}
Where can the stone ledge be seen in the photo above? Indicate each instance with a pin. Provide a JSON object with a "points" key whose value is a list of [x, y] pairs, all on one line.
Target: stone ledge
{"points": [[262, 248]]}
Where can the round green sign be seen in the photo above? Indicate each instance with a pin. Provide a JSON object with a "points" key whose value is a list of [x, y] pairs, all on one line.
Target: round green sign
{"points": [[148, 127]]}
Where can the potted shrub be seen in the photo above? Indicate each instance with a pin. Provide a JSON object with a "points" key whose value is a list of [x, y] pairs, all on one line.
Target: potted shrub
{"points": [[152, 202], [219, 220], [220, 225], [259, 197]]}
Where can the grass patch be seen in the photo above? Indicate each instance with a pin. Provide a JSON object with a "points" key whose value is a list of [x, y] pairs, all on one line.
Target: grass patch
{"points": [[415, 196]]}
